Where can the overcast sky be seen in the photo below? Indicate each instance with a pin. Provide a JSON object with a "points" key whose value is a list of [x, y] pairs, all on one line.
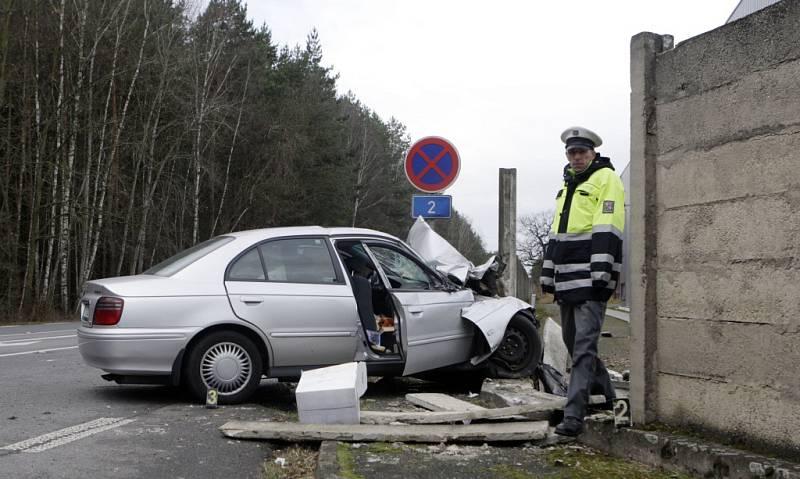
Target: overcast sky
{"points": [[499, 79]]}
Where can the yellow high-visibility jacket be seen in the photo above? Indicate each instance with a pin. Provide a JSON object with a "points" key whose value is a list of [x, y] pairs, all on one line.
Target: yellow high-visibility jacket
{"points": [[583, 256]]}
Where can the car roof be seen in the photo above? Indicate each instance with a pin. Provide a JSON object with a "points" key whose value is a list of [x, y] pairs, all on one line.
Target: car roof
{"points": [[309, 230]]}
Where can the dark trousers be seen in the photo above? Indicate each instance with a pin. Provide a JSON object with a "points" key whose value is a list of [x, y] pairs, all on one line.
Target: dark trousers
{"points": [[580, 328]]}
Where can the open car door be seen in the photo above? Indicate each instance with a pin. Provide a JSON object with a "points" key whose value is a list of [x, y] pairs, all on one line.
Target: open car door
{"points": [[433, 333]]}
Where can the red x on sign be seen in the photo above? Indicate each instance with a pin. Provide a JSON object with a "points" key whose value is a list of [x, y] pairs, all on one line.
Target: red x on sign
{"points": [[432, 164]]}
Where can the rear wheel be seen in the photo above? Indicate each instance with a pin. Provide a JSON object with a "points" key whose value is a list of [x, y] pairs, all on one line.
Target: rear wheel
{"points": [[520, 351], [226, 361]]}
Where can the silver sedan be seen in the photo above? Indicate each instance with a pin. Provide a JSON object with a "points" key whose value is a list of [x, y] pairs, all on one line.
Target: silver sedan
{"points": [[273, 302]]}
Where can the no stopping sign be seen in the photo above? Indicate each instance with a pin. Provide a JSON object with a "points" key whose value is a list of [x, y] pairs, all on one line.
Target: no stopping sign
{"points": [[432, 164]]}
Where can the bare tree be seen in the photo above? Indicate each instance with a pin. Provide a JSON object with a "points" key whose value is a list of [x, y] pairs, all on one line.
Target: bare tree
{"points": [[209, 88], [230, 151], [534, 229]]}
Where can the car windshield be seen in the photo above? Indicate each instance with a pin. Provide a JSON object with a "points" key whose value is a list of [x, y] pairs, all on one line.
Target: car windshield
{"points": [[188, 256], [401, 271]]}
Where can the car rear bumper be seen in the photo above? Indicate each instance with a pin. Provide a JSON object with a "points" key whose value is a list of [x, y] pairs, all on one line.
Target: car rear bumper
{"points": [[132, 351]]}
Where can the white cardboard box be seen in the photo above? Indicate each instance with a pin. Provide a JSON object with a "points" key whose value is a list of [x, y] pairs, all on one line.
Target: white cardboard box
{"points": [[331, 395]]}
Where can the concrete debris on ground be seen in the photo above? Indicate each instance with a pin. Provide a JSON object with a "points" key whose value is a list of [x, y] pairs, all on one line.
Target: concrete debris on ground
{"points": [[331, 395], [518, 392], [555, 352], [433, 433], [441, 402], [535, 409]]}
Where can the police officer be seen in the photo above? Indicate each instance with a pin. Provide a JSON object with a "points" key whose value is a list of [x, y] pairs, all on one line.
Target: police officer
{"points": [[582, 261]]}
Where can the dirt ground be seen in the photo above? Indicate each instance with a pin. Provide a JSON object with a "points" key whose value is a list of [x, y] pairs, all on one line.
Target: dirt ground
{"points": [[479, 461]]}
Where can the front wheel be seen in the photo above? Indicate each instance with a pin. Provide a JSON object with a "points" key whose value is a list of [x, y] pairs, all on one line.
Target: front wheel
{"points": [[520, 351], [226, 361]]}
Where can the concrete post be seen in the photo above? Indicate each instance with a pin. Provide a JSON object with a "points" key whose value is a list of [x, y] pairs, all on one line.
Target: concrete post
{"points": [[507, 241], [642, 228]]}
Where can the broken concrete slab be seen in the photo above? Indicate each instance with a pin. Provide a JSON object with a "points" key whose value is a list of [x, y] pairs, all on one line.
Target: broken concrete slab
{"points": [[441, 402], [537, 410], [516, 392], [444, 402], [511, 431], [555, 352], [330, 395]]}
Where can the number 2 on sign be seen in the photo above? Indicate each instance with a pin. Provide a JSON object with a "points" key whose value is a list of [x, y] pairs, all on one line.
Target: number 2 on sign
{"points": [[432, 207]]}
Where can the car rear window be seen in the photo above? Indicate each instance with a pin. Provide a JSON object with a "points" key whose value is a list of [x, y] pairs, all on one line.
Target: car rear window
{"points": [[247, 268], [188, 256], [301, 260]]}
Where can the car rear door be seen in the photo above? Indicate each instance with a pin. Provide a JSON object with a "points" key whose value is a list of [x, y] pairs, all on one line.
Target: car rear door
{"points": [[433, 333], [293, 290]]}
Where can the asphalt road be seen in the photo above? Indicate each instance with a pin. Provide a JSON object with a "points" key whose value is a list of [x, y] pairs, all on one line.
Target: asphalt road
{"points": [[60, 419]]}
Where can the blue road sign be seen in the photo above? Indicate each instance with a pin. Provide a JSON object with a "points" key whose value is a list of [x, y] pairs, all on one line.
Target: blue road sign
{"points": [[431, 206]]}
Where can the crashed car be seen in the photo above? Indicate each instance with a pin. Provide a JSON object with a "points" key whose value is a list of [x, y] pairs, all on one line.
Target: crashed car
{"points": [[273, 302]]}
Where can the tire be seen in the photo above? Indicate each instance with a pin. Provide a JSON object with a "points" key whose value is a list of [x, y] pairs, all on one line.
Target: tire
{"points": [[520, 351], [227, 361]]}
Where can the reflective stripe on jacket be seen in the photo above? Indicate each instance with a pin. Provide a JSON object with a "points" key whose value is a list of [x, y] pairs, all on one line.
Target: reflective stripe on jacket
{"points": [[583, 256]]}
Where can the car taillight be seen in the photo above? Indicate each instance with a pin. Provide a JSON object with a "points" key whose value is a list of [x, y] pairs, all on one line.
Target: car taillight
{"points": [[108, 311]]}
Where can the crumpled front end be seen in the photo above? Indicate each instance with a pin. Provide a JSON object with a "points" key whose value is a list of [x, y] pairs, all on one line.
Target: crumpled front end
{"points": [[441, 255]]}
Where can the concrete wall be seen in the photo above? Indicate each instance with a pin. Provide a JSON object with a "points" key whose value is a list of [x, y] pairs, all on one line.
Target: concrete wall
{"points": [[715, 229]]}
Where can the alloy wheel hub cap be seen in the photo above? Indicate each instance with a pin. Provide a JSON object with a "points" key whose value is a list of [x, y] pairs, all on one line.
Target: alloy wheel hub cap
{"points": [[226, 367]]}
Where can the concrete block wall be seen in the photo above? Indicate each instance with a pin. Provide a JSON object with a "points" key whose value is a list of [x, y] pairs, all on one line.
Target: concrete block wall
{"points": [[715, 171]]}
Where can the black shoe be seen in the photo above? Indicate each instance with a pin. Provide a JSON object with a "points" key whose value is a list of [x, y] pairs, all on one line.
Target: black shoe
{"points": [[570, 426]]}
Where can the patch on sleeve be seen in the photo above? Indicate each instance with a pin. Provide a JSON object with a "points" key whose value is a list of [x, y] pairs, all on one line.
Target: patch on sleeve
{"points": [[608, 206]]}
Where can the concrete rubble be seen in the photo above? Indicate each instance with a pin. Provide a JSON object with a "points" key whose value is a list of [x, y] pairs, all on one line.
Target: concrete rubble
{"points": [[537, 409], [555, 352], [328, 407], [433, 433], [331, 395]]}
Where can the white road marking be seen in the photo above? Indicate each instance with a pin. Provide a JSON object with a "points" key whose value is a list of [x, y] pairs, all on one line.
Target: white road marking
{"points": [[26, 342], [18, 343], [67, 435], [37, 351], [28, 334]]}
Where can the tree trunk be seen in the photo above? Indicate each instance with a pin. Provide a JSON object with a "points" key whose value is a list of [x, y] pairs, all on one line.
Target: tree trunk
{"points": [[48, 272], [67, 173]]}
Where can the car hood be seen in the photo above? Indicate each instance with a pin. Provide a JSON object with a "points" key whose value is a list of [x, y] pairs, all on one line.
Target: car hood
{"points": [[442, 255], [152, 285]]}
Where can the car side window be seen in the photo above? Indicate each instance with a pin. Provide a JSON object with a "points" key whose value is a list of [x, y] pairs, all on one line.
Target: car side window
{"points": [[298, 260], [247, 268], [402, 271]]}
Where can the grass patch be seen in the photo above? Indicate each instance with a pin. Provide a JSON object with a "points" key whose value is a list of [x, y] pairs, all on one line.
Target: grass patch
{"points": [[300, 461], [584, 463], [383, 448], [347, 463], [505, 471]]}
